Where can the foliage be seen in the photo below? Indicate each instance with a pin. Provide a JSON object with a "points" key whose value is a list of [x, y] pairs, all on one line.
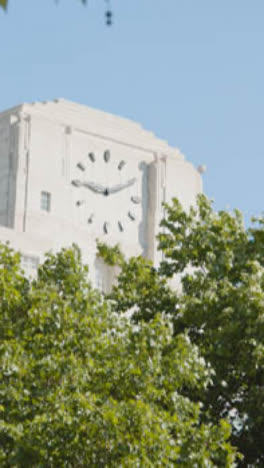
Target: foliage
{"points": [[108, 13], [139, 286], [4, 3], [112, 256], [80, 385], [220, 305]]}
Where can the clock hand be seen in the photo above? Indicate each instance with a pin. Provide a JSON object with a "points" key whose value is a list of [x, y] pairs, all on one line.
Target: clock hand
{"points": [[76, 182], [97, 188], [91, 185], [117, 188]]}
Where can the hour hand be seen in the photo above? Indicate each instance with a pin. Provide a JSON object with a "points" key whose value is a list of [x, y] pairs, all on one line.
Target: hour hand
{"points": [[117, 188], [76, 182], [96, 188]]}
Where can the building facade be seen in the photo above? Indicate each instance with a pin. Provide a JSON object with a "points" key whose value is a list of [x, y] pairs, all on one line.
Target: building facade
{"points": [[72, 174]]}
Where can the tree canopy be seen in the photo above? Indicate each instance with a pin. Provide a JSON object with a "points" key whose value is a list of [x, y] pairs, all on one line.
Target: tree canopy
{"points": [[4, 3], [108, 13], [219, 306], [82, 385], [178, 380]]}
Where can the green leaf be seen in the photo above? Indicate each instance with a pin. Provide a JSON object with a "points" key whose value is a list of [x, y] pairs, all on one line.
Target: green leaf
{"points": [[3, 3]]}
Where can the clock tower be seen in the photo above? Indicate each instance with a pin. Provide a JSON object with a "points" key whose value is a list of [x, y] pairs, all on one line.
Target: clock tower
{"points": [[72, 174]]}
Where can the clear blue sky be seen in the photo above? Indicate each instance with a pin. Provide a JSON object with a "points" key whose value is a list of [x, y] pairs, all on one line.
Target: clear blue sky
{"points": [[192, 71]]}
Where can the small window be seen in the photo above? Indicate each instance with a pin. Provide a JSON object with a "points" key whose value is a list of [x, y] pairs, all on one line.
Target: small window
{"points": [[99, 274], [29, 262], [45, 201]]}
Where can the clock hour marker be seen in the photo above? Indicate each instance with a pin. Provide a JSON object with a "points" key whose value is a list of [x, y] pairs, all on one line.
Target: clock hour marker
{"points": [[80, 202], [91, 156], [81, 166], [121, 227], [90, 219], [136, 200], [131, 216], [107, 155], [121, 165], [106, 227]]}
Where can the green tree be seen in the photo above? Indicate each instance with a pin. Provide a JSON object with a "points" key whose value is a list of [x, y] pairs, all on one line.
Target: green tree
{"points": [[81, 385], [220, 305]]}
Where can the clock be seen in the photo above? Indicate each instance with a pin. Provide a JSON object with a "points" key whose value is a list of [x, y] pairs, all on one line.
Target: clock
{"points": [[107, 192]]}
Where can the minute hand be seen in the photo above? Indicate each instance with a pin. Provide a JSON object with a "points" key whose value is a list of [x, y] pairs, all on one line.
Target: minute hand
{"points": [[97, 188], [117, 188]]}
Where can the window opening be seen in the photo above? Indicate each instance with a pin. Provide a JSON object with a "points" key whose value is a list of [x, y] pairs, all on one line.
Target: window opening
{"points": [[45, 201]]}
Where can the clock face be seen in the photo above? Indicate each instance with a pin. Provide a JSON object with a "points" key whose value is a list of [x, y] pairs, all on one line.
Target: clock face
{"points": [[107, 192]]}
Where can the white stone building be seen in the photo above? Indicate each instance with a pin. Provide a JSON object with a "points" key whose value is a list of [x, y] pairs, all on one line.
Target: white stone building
{"points": [[72, 174]]}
